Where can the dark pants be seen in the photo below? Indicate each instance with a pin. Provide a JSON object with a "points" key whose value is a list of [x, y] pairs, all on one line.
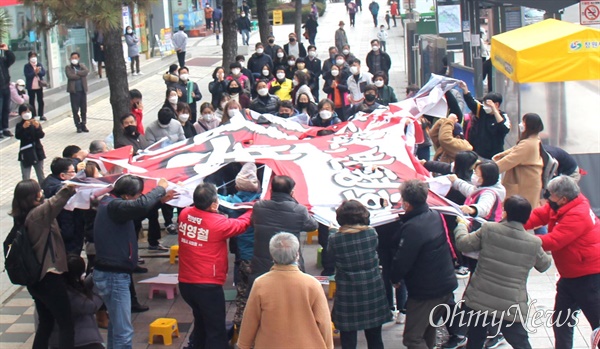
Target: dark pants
{"points": [[135, 61], [375, 19], [39, 94], [5, 106], [79, 104], [311, 38], [326, 261], [208, 22], [52, 305], [515, 334], [217, 26], [573, 294], [154, 226], [373, 335], [181, 58], [418, 332], [352, 17], [394, 19], [208, 306], [424, 153]]}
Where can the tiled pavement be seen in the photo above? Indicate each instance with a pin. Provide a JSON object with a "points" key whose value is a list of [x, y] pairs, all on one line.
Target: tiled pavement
{"points": [[16, 309]]}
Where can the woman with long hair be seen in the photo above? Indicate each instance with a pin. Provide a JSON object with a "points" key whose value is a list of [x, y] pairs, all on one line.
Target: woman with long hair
{"points": [[300, 83], [217, 86], [336, 88]]}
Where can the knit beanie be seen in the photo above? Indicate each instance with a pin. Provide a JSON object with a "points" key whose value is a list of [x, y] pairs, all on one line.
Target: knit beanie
{"points": [[246, 179]]}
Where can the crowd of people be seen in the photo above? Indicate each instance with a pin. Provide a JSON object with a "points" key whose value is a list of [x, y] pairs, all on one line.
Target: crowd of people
{"points": [[400, 271]]}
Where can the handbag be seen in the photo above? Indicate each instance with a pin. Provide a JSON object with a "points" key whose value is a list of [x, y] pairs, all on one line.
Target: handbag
{"points": [[28, 155], [43, 83]]}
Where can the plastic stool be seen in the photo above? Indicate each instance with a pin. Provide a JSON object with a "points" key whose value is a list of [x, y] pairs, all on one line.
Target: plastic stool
{"points": [[164, 327], [336, 332], [332, 287], [174, 252], [170, 290], [310, 235]]}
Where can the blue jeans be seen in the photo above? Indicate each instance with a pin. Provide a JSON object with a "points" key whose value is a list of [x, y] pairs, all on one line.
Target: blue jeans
{"points": [[114, 290], [245, 36]]}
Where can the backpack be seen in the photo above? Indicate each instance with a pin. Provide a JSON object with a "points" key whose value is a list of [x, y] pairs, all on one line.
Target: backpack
{"points": [[20, 262], [550, 167]]}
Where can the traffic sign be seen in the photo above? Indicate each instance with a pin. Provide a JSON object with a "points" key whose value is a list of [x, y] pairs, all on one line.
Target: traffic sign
{"points": [[589, 12]]}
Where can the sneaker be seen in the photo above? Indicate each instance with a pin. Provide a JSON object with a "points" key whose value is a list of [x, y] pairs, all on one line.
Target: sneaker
{"points": [[401, 318], [43, 118], [84, 129], [7, 133], [140, 73], [134, 74], [158, 247], [455, 342], [141, 260], [140, 270], [172, 229], [495, 342], [79, 129], [138, 308], [462, 272]]}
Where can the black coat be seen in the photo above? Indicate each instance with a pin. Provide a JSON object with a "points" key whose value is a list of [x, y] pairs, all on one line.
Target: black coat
{"points": [[263, 105], [257, 62], [216, 89], [423, 259], [484, 133], [301, 49], [386, 62], [30, 135], [5, 62]]}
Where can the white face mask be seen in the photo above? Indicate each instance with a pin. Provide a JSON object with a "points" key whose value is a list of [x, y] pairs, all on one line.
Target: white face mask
{"points": [[379, 83], [184, 77], [475, 180], [74, 61], [521, 128], [173, 100], [375, 48], [339, 62], [20, 88], [291, 63], [232, 112], [354, 70], [487, 109], [265, 72], [295, 82], [220, 74], [335, 72], [33, 60], [312, 54], [279, 54], [129, 31], [207, 117], [26, 116], [325, 114], [346, 52], [260, 50], [235, 71], [263, 91], [280, 76], [241, 63], [184, 117]]}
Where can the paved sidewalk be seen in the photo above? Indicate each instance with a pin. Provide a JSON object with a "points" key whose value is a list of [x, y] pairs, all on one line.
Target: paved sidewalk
{"points": [[16, 309]]}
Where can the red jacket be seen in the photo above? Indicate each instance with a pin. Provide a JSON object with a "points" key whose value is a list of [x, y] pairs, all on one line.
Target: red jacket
{"points": [[203, 244], [573, 237], [138, 115]]}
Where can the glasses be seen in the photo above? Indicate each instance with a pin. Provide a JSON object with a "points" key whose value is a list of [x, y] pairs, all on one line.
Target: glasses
{"points": [[70, 172]]}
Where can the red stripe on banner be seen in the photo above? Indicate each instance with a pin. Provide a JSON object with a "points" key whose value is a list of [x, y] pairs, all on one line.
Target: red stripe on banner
{"points": [[4, 3]]}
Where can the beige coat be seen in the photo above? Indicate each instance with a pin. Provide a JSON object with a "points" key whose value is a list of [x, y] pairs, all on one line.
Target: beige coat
{"points": [[286, 309], [522, 166], [446, 145]]}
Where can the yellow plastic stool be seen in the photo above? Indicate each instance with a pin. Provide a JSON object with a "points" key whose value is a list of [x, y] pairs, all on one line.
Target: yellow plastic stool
{"points": [[173, 253], [336, 332], [310, 235], [332, 287], [165, 328]]}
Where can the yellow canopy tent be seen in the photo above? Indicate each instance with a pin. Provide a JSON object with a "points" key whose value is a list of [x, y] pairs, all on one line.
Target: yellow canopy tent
{"points": [[548, 51]]}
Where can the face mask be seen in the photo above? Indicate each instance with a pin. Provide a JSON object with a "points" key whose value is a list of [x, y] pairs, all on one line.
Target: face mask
{"points": [[292, 39], [243, 15], [487, 109], [339, 62], [291, 63], [33, 60], [184, 77], [232, 112], [345, 52], [295, 83], [521, 128], [184, 117], [129, 31], [235, 71], [475, 180], [370, 97], [263, 91], [312, 54], [271, 41], [20, 88], [553, 205], [280, 76], [265, 72], [260, 51], [26, 116], [279, 54], [335, 72], [302, 105], [325, 114], [74, 61], [207, 117], [375, 48], [130, 130], [379, 83], [354, 70], [220, 75], [381, 30], [173, 100], [301, 66], [284, 115], [234, 90]]}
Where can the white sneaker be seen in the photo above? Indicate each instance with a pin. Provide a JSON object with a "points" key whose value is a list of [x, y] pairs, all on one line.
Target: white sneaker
{"points": [[134, 74], [140, 73], [401, 318]]}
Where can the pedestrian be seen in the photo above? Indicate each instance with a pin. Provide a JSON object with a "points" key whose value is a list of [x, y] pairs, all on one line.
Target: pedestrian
{"points": [[217, 17], [290, 67], [311, 28], [172, 98], [170, 77], [258, 60], [266, 74], [385, 93], [522, 164], [448, 139], [217, 86], [77, 87], [131, 135], [387, 20], [264, 103], [567, 165], [117, 250], [207, 120], [281, 86], [241, 59], [305, 106], [271, 48], [348, 56], [31, 151], [167, 126], [326, 114], [293, 47], [18, 96], [133, 50], [203, 234], [394, 11], [245, 9], [243, 27], [190, 92], [368, 104], [179, 41], [244, 81], [357, 82], [6, 60], [352, 12], [329, 62], [313, 65], [423, 260], [208, 14], [231, 111], [98, 46], [378, 61], [507, 252], [237, 94], [283, 291], [358, 5], [374, 9], [314, 10], [183, 116], [382, 36], [280, 58], [337, 91], [49, 293], [137, 109], [300, 83], [286, 110], [360, 301], [573, 238], [220, 110], [34, 82]]}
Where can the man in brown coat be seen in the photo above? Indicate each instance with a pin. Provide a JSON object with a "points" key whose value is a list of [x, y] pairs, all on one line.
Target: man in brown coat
{"points": [[77, 88]]}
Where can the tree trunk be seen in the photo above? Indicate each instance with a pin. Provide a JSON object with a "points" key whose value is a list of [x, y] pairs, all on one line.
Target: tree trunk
{"points": [[116, 72], [230, 44], [298, 20], [264, 26]]}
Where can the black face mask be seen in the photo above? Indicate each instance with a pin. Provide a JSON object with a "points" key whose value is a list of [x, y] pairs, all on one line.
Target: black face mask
{"points": [[271, 41], [292, 39], [302, 105], [284, 115], [130, 130], [370, 97], [553, 205], [235, 90]]}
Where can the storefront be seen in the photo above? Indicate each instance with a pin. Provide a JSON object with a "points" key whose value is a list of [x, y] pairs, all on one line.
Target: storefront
{"points": [[188, 13]]}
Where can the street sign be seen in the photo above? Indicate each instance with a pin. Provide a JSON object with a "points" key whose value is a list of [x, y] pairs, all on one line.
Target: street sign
{"points": [[277, 17], [449, 22], [589, 12]]}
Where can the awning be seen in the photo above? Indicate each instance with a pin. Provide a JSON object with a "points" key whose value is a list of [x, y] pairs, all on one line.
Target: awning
{"points": [[546, 5], [548, 51]]}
